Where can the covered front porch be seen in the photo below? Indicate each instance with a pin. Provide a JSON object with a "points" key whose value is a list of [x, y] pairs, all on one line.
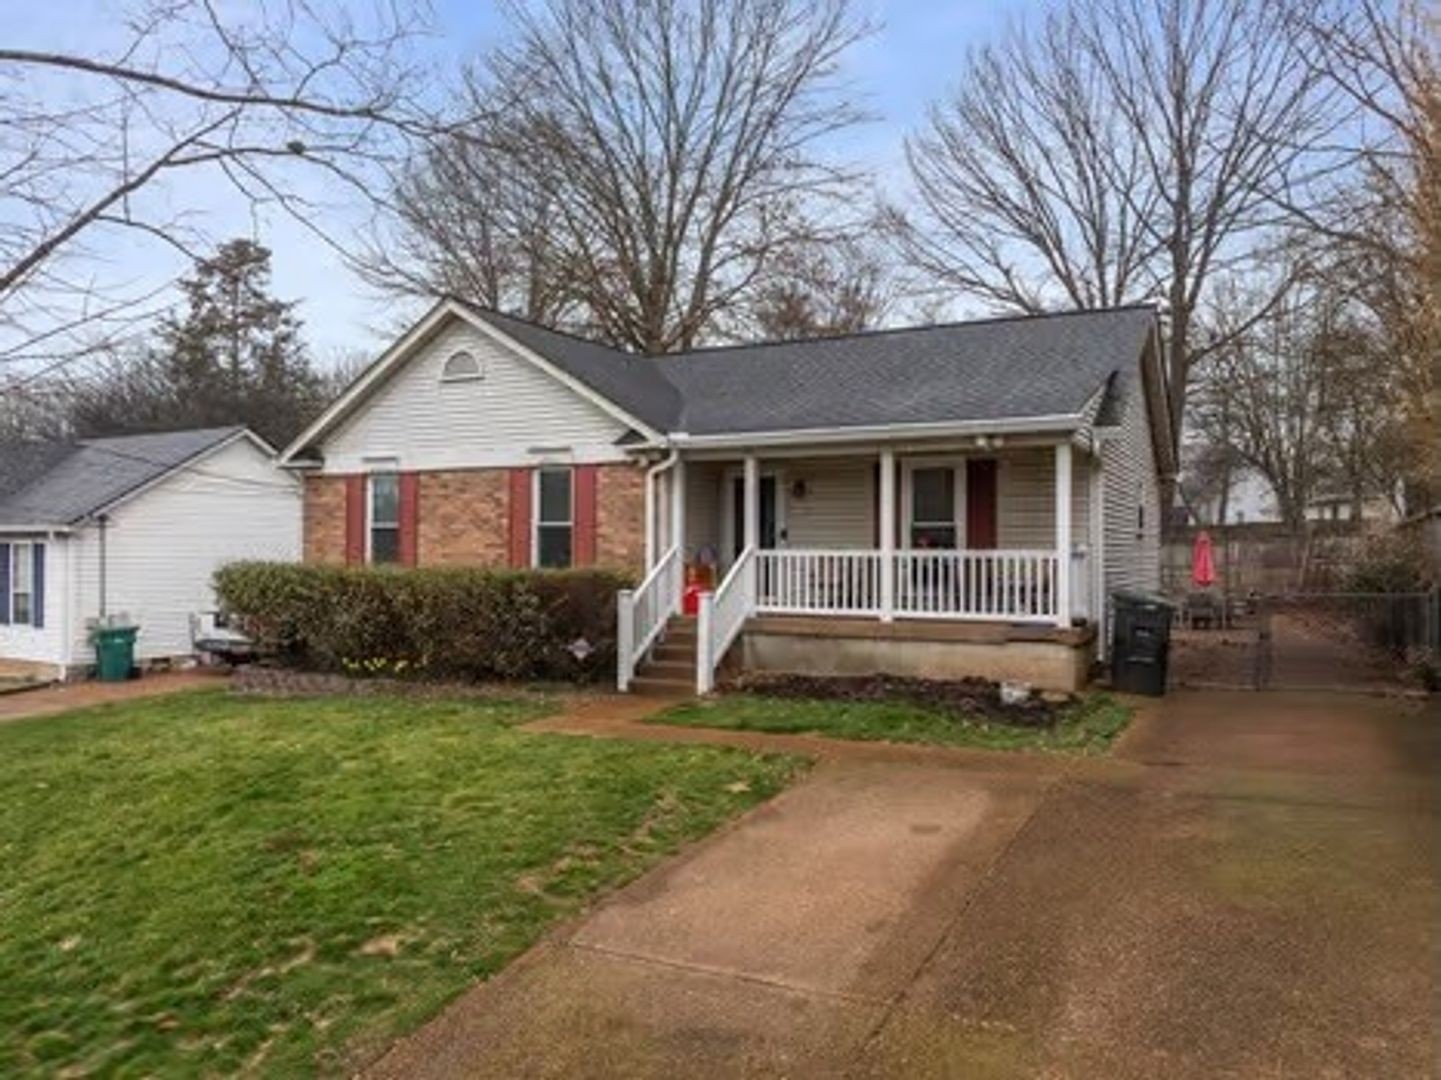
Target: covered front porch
{"points": [[1001, 531]]}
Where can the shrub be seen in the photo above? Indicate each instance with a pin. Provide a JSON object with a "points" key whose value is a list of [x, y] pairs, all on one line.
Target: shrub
{"points": [[461, 624], [1390, 563]]}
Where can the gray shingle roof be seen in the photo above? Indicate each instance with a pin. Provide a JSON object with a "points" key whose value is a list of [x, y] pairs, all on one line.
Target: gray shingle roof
{"points": [[632, 382], [63, 483], [1021, 367]]}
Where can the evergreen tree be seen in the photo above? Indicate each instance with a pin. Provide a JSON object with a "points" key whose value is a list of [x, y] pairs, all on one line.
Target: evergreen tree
{"points": [[234, 355]]}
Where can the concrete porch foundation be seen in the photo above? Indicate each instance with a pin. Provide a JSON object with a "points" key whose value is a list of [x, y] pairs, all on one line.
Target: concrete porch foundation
{"points": [[1045, 657]]}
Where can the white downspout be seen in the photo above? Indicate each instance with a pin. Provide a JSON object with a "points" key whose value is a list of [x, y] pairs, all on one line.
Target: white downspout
{"points": [[651, 525]]}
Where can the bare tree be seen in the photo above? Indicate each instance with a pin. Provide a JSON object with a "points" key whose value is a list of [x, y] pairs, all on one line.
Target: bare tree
{"points": [[1130, 150], [672, 153], [270, 102], [1383, 217], [830, 289]]}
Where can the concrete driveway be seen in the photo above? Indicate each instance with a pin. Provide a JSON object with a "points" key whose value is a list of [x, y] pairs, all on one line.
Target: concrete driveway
{"points": [[1245, 889]]}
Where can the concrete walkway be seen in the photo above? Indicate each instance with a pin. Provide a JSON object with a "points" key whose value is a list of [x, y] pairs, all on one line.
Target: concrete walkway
{"points": [[62, 697], [1245, 889]]}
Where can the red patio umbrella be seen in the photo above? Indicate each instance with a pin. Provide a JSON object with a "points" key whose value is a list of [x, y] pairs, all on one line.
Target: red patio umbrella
{"points": [[1203, 561]]}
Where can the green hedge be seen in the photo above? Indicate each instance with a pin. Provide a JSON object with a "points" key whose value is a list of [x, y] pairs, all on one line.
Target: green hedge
{"points": [[457, 624]]}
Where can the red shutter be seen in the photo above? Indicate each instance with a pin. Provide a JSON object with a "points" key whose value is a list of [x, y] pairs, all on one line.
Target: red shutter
{"points": [[981, 503], [583, 534], [354, 520], [520, 486], [409, 518]]}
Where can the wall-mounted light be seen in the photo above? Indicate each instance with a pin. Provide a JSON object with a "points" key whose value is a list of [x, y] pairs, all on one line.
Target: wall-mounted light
{"points": [[798, 489]]}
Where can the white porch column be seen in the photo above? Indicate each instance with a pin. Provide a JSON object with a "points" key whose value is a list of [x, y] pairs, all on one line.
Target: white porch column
{"points": [[887, 531], [1097, 553], [753, 502], [1063, 533], [652, 526], [677, 520]]}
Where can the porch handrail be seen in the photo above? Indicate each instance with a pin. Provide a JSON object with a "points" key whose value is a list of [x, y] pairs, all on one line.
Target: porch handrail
{"points": [[1005, 584], [642, 612], [721, 616]]}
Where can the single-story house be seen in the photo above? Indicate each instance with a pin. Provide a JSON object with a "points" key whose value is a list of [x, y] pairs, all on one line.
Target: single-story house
{"points": [[134, 527], [944, 500]]}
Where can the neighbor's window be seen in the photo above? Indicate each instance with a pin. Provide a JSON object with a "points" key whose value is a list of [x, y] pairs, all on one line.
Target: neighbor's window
{"points": [[384, 517], [460, 367], [22, 584], [553, 524], [933, 508]]}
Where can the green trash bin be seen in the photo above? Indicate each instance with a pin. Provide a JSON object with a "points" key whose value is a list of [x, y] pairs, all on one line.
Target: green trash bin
{"points": [[115, 652]]}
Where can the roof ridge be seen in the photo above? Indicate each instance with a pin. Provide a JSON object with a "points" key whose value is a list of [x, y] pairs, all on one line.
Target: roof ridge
{"points": [[949, 324]]}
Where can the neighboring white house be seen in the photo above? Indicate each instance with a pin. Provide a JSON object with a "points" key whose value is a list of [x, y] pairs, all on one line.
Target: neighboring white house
{"points": [[133, 526], [938, 500]]}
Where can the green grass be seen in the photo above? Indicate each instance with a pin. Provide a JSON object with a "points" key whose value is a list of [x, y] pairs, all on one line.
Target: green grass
{"points": [[1088, 727], [203, 884]]}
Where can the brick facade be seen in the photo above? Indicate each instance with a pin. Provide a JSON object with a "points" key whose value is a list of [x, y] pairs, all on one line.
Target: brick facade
{"points": [[463, 518], [323, 523], [620, 517]]}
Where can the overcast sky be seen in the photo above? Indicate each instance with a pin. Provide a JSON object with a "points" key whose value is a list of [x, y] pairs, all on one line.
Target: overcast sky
{"points": [[910, 60]]}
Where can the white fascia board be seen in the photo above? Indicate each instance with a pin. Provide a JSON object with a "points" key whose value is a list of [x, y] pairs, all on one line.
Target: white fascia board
{"points": [[883, 433]]}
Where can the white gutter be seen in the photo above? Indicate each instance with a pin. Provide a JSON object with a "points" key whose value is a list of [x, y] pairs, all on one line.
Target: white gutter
{"points": [[997, 426], [650, 523]]}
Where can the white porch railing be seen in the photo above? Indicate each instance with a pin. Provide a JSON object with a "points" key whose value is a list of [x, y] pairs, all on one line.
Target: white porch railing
{"points": [[1011, 586], [802, 582], [721, 616], [1005, 586], [641, 613]]}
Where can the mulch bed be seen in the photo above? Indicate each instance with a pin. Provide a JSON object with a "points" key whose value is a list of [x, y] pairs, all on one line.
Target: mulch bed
{"points": [[969, 699]]}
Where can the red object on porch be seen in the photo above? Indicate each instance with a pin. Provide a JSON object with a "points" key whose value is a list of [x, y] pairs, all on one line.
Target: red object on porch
{"points": [[690, 599], [1203, 561]]}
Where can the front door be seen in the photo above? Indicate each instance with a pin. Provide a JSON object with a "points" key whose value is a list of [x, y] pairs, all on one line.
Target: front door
{"points": [[769, 521]]}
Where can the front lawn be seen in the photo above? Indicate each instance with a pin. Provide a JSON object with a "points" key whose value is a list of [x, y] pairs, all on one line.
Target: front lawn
{"points": [[1088, 726], [204, 884]]}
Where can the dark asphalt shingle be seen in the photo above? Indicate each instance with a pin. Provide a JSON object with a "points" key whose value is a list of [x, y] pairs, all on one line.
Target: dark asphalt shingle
{"points": [[62, 483], [1022, 367]]}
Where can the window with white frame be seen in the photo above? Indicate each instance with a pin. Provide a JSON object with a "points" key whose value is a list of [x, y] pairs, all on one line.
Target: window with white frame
{"points": [[22, 584], [384, 511], [461, 367], [933, 507], [554, 519]]}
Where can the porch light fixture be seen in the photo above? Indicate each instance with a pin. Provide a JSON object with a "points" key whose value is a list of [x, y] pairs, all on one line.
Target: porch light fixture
{"points": [[798, 489]]}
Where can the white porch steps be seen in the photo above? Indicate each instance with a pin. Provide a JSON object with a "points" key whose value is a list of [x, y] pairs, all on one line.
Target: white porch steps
{"points": [[669, 670]]}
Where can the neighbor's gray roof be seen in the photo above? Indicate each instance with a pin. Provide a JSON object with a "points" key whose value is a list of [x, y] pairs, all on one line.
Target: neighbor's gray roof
{"points": [[1018, 367], [63, 483]]}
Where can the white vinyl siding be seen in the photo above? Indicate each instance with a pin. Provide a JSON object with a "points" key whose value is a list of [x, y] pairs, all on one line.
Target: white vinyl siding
{"points": [[1133, 554], [513, 413], [703, 507], [838, 509], [1026, 499], [164, 546]]}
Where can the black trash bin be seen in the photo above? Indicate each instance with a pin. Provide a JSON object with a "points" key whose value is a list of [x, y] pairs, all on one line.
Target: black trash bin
{"points": [[1140, 642]]}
